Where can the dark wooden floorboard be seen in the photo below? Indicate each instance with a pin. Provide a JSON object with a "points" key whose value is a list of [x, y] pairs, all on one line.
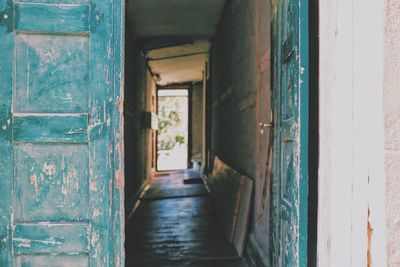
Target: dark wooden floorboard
{"points": [[188, 263], [180, 231]]}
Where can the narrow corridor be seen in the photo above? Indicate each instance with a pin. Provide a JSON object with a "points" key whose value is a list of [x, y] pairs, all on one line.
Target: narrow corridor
{"points": [[174, 226], [219, 53]]}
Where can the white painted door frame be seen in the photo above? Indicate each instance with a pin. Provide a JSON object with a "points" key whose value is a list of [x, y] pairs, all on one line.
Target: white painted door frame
{"points": [[351, 171]]}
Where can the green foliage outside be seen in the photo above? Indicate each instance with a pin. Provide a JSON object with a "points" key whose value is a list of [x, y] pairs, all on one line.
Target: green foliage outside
{"points": [[171, 130]]}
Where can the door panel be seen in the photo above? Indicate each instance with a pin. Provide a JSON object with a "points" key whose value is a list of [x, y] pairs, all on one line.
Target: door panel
{"points": [[56, 128], [52, 73], [50, 238], [52, 18], [55, 156], [290, 175], [53, 260], [51, 182]]}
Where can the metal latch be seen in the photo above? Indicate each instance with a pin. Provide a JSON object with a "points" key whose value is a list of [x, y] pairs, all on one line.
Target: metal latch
{"points": [[263, 126]]}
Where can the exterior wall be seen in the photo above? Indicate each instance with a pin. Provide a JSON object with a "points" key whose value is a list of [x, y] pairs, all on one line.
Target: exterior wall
{"points": [[138, 88], [197, 118], [239, 71], [392, 129]]}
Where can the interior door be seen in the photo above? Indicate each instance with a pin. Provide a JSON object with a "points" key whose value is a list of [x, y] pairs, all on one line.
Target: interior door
{"points": [[55, 164], [290, 175]]}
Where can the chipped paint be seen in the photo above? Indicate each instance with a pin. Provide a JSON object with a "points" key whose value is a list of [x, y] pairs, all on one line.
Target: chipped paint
{"points": [[44, 55], [290, 179], [34, 182], [110, 191], [119, 180], [70, 179], [93, 186], [94, 241], [23, 242], [59, 145], [96, 213], [49, 168]]}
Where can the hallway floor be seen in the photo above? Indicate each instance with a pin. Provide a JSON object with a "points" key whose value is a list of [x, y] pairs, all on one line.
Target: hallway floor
{"points": [[174, 226]]}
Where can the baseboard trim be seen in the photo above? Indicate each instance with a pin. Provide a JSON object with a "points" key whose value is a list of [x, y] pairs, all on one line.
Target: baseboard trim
{"points": [[254, 255]]}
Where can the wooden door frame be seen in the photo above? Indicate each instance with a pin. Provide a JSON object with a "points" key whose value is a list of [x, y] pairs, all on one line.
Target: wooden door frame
{"points": [[351, 158], [313, 151], [117, 229]]}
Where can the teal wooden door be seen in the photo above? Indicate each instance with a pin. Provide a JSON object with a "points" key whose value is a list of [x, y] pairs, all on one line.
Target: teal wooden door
{"points": [[55, 150], [290, 97]]}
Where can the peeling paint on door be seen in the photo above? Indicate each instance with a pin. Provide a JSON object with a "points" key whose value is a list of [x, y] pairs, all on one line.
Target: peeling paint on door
{"points": [[290, 171], [58, 122]]}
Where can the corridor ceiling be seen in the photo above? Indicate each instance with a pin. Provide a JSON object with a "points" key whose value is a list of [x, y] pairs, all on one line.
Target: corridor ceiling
{"points": [[174, 35]]}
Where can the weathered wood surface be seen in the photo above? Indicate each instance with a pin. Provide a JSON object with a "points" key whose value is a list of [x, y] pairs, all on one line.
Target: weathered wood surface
{"points": [[51, 182], [60, 168], [190, 190], [225, 184], [51, 260], [52, 73], [352, 179], [177, 232], [231, 194], [289, 227], [6, 145], [242, 224], [51, 238], [71, 129], [52, 18], [117, 229]]}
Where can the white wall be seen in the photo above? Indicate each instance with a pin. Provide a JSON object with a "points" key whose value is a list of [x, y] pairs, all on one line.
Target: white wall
{"points": [[351, 173]]}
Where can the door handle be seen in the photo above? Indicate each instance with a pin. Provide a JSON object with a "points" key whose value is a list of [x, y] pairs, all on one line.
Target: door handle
{"points": [[266, 125], [263, 126]]}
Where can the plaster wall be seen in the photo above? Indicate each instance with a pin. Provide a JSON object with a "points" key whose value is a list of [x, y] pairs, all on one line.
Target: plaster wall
{"points": [[392, 129], [197, 118], [233, 89], [240, 70], [139, 88]]}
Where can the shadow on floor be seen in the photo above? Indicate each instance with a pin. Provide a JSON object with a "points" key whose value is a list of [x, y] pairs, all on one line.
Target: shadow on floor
{"points": [[174, 226]]}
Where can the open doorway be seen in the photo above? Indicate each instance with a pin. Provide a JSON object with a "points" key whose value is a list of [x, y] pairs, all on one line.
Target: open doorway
{"points": [[173, 129], [221, 52]]}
